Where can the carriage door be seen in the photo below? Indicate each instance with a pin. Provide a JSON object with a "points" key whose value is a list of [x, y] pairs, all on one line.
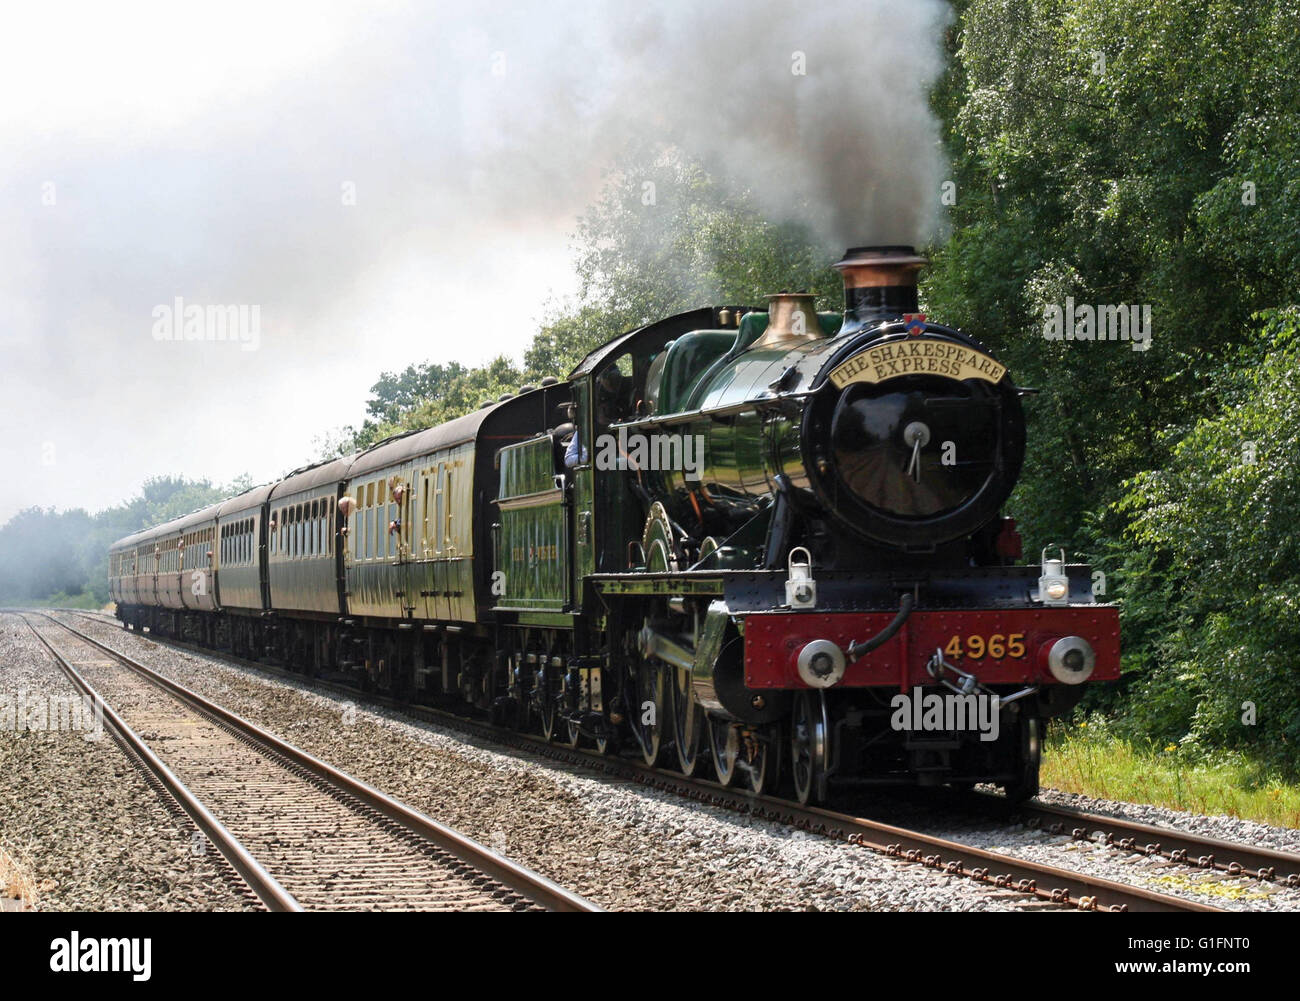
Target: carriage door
{"points": [[440, 577], [263, 562], [402, 507]]}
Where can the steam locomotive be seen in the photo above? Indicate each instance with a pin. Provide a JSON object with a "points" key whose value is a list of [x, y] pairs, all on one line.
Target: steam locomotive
{"points": [[767, 542]]}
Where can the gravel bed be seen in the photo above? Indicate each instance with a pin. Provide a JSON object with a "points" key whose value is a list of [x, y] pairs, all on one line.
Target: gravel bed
{"points": [[652, 850], [949, 818], [619, 844], [80, 828], [1283, 839], [1205, 886]]}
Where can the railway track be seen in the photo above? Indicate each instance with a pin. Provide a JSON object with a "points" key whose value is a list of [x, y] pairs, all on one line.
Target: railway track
{"points": [[300, 833], [1183, 847], [1050, 885]]}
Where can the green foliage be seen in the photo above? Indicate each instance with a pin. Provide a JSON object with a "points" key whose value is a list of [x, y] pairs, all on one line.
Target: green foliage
{"points": [[663, 237], [85, 599], [697, 242], [61, 557], [1116, 184], [1092, 758], [1119, 151], [422, 396], [1212, 567]]}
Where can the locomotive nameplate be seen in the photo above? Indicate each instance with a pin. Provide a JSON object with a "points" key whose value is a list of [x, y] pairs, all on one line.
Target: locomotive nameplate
{"points": [[916, 356]]}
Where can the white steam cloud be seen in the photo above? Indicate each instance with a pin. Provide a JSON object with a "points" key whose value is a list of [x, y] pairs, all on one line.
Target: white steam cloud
{"points": [[157, 150], [821, 109]]}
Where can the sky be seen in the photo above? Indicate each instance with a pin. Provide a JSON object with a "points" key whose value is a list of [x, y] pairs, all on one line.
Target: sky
{"points": [[373, 185]]}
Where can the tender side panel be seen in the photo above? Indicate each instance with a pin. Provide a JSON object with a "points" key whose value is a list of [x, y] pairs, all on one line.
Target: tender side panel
{"points": [[532, 551]]}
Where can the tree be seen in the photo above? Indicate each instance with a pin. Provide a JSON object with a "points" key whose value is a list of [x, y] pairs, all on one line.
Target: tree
{"points": [[1099, 149], [1211, 558], [663, 237], [47, 552]]}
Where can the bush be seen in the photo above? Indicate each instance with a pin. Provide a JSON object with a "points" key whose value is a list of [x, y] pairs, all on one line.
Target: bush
{"points": [[1211, 579]]}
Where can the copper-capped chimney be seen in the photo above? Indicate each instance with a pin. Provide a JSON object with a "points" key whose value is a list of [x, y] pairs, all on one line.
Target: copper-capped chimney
{"points": [[879, 285]]}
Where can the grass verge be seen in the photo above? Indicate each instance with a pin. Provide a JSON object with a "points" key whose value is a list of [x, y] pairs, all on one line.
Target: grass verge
{"points": [[1085, 758]]}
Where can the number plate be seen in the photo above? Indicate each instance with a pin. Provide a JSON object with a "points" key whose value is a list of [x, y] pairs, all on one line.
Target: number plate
{"points": [[999, 646]]}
